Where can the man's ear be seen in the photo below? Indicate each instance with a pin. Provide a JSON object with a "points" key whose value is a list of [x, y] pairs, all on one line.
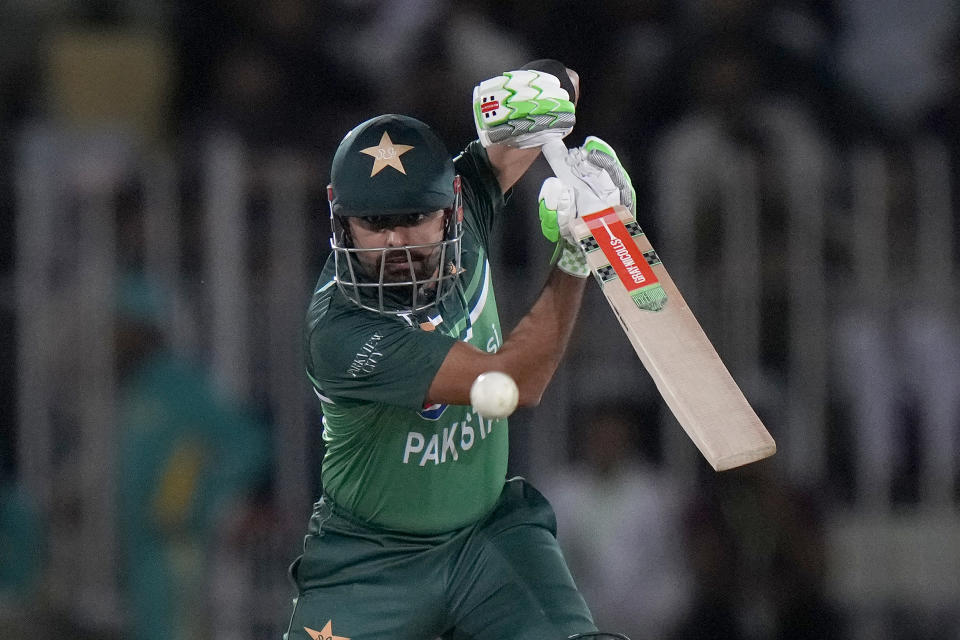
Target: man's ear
{"points": [[344, 222]]}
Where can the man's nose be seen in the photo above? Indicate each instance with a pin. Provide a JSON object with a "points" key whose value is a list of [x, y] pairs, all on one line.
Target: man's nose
{"points": [[395, 237]]}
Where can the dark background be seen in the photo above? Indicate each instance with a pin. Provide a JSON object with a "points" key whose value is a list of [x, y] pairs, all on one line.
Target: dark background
{"points": [[162, 192]]}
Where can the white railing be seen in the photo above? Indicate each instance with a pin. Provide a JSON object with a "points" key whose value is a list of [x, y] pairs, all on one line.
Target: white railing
{"points": [[244, 319]]}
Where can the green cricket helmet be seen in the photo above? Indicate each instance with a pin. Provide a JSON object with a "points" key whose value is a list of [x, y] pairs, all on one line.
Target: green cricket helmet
{"points": [[394, 171]]}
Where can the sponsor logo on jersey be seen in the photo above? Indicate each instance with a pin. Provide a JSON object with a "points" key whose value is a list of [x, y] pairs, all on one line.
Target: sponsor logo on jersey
{"points": [[432, 411], [367, 359]]}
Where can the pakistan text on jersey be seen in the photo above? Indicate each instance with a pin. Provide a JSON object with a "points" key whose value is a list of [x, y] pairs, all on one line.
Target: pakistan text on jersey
{"points": [[367, 358], [444, 446]]}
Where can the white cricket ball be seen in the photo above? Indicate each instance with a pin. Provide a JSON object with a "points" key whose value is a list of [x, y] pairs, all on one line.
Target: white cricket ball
{"points": [[494, 394]]}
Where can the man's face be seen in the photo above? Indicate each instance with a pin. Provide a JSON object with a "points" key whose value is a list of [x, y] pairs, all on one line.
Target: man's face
{"points": [[393, 233]]}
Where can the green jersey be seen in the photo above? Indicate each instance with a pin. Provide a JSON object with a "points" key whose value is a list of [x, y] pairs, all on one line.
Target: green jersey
{"points": [[390, 460]]}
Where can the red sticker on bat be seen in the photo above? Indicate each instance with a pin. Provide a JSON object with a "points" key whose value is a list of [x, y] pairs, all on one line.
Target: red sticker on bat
{"points": [[623, 253]]}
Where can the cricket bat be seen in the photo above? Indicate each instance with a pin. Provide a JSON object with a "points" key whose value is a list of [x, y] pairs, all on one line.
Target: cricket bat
{"points": [[671, 344]]}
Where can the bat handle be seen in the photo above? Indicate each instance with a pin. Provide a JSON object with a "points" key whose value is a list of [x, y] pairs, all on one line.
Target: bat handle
{"points": [[557, 157], [556, 154]]}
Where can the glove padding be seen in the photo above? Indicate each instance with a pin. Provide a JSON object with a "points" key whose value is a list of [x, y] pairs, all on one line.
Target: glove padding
{"points": [[523, 108], [597, 165], [558, 211]]}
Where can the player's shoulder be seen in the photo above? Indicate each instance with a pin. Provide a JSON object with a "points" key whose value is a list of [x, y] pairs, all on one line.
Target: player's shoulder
{"points": [[474, 167], [472, 155], [346, 344], [483, 198], [324, 294], [327, 302], [334, 319]]}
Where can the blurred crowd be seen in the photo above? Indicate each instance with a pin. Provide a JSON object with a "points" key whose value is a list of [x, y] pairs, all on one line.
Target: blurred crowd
{"points": [[738, 556]]}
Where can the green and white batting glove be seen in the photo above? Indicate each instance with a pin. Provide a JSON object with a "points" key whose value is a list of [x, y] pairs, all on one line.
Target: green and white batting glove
{"points": [[558, 210], [522, 108], [597, 164]]}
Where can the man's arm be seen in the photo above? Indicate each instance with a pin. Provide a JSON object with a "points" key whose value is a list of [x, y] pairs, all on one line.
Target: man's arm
{"points": [[511, 162], [533, 350], [530, 354]]}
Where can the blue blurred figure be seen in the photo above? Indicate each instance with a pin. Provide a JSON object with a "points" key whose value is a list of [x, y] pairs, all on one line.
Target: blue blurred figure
{"points": [[187, 459]]}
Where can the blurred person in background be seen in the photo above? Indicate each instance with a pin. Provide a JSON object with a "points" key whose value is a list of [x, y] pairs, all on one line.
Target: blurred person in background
{"points": [[798, 564], [756, 552], [188, 463], [22, 551], [943, 116], [741, 147], [618, 518], [267, 71], [941, 121], [713, 612]]}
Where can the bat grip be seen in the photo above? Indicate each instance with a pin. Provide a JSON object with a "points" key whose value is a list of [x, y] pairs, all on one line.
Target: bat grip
{"points": [[557, 155]]}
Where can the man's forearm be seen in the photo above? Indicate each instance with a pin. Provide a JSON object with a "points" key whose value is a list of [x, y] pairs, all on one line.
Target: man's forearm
{"points": [[530, 354], [510, 164], [532, 351]]}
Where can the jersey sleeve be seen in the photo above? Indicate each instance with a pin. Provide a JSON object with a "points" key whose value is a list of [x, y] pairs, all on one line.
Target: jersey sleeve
{"points": [[363, 356], [483, 201]]}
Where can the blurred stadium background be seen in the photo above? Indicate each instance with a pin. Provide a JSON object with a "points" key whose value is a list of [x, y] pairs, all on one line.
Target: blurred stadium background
{"points": [[162, 222]]}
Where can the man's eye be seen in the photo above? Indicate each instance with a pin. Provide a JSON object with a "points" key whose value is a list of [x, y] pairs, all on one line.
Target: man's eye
{"points": [[405, 220], [379, 223]]}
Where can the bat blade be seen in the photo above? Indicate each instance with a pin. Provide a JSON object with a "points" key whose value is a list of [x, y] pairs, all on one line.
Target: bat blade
{"points": [[670, 342]]}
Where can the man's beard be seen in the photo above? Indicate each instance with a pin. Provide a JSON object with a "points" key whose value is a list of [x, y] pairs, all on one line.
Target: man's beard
{"points": [[398, 279], [401, 265]]}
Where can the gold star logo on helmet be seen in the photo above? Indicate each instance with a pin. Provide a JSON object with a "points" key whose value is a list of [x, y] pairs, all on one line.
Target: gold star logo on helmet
{"points": [[386, 154], [324, 634]]}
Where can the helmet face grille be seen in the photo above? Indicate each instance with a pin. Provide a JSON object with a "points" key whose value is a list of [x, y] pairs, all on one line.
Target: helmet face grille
{"points": [[371, 289]]}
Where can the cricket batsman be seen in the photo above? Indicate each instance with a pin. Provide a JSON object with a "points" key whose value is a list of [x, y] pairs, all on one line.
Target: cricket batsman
{"points": [[418, 534]]}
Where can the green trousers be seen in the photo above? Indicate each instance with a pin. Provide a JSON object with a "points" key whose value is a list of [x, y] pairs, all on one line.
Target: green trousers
{"points": [[503, 577]]}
